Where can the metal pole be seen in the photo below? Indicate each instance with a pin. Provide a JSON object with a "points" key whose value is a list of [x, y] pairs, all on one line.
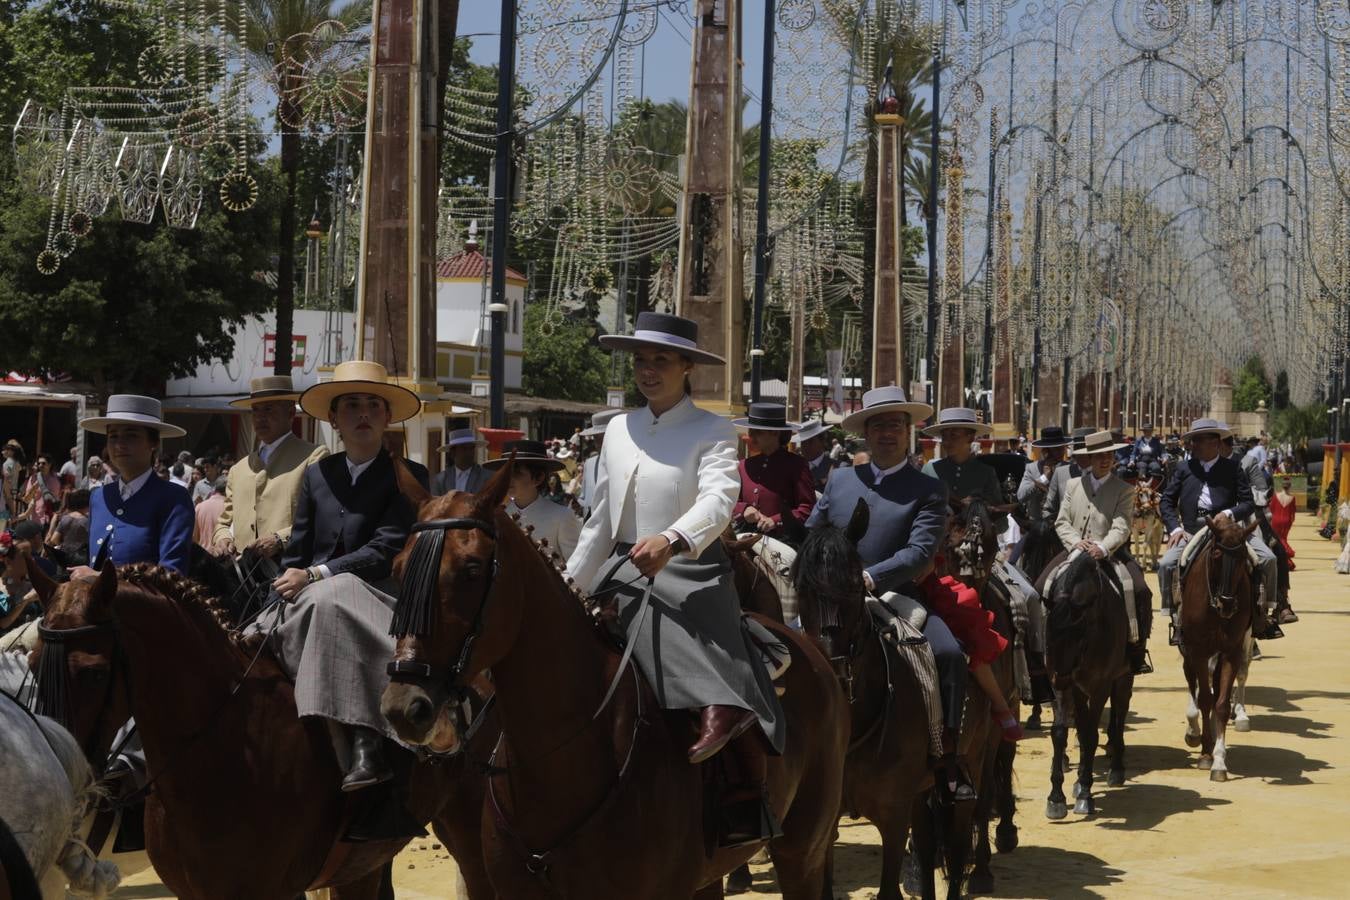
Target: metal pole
{"points": [[501, 215], [934, 310], [1036, 308], [987, 369], [762, 205]]}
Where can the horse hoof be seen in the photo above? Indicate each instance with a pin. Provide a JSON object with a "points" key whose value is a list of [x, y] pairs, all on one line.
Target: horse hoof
{"points": [[1085, 806], [1115, 778], [1005, 839], [1056, 810], [1192, 740], [980, 883], [1218, 774], [739, 881], [1204, 762], [911, 877], [1243, 724]]}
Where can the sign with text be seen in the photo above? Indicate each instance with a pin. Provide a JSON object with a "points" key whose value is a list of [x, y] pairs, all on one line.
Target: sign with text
{"points": [[270, 350]]}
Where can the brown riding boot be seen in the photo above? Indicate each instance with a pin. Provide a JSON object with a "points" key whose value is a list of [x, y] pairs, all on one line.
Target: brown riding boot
{"points": [[720, 725]]}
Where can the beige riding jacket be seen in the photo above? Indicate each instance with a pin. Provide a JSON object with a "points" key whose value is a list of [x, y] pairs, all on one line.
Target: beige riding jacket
{"points": [[1103, 516]]}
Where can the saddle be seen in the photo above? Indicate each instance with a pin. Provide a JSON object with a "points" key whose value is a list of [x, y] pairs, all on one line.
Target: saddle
{"points": [[899, 622], [774, 653]]}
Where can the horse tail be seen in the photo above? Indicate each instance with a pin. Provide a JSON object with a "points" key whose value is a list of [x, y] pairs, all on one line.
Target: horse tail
{"points": [[18, 874]]}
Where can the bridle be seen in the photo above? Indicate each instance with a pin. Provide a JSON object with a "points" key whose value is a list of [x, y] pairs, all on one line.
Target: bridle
{"points": [[415, 614], [1222, 599], [53, 677]]}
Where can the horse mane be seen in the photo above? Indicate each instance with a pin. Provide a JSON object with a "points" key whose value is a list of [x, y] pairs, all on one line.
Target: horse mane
{"points": [[173, 585], [827, 574]]}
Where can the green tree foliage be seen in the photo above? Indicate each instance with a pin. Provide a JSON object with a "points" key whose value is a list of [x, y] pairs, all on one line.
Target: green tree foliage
{"points": [[1296, 424], [134, 304], [1250, 386], [1280, 397], [564, 363]]}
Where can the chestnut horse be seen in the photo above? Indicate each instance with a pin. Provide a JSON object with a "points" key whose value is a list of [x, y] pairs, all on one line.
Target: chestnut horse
{"points": [[244, 798], [590, 793], [1218, 599], [887, 767]]}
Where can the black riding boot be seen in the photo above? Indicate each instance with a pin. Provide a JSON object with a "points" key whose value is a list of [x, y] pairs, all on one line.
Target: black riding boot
{"points": [[368, 763], [1138, 656]]}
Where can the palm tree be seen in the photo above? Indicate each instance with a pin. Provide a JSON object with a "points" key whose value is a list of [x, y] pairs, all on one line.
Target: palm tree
{"points": [[270, 29]]}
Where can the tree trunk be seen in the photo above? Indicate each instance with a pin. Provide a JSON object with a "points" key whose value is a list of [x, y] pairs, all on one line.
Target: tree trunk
{"points": [[290, 167]]}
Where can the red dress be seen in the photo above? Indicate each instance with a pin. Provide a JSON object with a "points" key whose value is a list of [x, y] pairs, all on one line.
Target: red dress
{"points": [[958, 606], [1281, 520]]}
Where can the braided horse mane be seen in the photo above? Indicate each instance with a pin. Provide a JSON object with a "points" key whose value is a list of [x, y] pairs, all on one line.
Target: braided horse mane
{"points": [[174, 586]]}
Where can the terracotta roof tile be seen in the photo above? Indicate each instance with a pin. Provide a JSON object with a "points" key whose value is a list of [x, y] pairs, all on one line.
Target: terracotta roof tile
{"points": [[469, 264]]}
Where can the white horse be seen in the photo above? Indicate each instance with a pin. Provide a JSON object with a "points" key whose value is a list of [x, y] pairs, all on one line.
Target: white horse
{"points": [[46, 787], [16, 680]]}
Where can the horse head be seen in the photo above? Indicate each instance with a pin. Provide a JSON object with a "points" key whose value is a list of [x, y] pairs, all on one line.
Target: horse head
{"points": [[81, 682], [1082, 614], [1229, 568], [463, 573], [972, 541], [828, 576]]}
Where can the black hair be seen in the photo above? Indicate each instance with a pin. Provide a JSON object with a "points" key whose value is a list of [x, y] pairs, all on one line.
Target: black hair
{"points": [[78, 499], [538, 473]]}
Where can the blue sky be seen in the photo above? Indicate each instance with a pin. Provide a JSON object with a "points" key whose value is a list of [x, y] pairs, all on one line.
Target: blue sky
{"points": [[666, 64]]}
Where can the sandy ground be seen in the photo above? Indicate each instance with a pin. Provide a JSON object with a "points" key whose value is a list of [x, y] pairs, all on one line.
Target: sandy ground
{"points": [[1278, 827]]}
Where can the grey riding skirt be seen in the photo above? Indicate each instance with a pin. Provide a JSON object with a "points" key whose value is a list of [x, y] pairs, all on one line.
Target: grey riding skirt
{"points": [[691, 645]]}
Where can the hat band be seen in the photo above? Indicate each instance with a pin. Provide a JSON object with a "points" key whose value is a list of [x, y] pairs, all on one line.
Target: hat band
{"points": [[270, 392], [139, 418], [663, 337], [767, 423]]}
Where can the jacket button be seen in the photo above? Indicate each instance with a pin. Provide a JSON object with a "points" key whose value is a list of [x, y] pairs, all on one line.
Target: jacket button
{"points": [[120, 512]]}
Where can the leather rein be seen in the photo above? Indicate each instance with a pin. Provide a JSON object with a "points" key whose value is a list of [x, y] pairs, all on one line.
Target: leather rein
{"points": [[1221, 599]]}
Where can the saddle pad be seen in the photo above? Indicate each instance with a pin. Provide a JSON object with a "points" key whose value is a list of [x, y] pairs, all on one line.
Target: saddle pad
{"points": [[776, 558], [776, 654], [895, 616], [891, 605]]}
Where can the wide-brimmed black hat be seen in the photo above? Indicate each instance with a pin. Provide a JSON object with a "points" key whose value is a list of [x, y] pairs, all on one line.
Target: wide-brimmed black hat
{"points": [[766, 417], [1052, 436], [532, 452], [1079, 434], [663, 330]]}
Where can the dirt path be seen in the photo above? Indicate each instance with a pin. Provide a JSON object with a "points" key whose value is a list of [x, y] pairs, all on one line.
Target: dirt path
{"points": [[1277, 828]]}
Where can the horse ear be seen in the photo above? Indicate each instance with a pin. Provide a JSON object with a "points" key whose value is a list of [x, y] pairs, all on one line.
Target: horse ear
{"points": [[45, 587], [1209, 523], [409, 486], [105, 587], [1247, 532], [857, 523], [494, 492]]}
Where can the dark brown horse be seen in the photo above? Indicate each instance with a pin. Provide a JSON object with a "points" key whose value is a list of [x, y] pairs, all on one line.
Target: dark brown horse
{"points": [[245, 799], [589, 798], [1218, 599], [969, 555], [886, 769], [1086, 634]]}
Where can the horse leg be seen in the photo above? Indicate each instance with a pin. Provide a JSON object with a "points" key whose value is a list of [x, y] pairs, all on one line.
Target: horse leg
{"points": [[1055, 805], [1120, 710], [1005, 839], [957, 823], [1192, 710], [981, 878], [1241, 721], [893, 835], [1205, 697], [919, 874], [377, 884], [1088, 713], [1223, 683], [739, 879]]}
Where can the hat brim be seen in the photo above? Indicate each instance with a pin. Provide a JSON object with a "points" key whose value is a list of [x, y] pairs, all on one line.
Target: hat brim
{"points": [[549, 463], [980, 429], [592, 432], [745, 423], [1109, 448], [403, 403], [629, 343], [253, 400], [810, 431], [1221, 432], [453, 444], [99, 425], [857, 422], [1050, 445]]}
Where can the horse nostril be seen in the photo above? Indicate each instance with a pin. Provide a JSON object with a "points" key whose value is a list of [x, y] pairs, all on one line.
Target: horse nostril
{"points": [[419, 712]]}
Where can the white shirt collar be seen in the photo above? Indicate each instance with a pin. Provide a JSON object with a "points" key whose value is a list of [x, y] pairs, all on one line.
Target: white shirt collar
{"points": [[129, 489], [878, 474], [1208, 465], [266, 450], [357, 468], [1098, 482], [670, 415]]}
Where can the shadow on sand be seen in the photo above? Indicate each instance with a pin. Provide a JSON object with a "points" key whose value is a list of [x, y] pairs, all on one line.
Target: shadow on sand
{"points": [[1052, 872], [1274, 765], [1299, 726]]}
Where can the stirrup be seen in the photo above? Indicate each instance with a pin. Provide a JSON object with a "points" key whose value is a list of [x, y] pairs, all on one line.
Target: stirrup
{"points": [[1173, 634]]}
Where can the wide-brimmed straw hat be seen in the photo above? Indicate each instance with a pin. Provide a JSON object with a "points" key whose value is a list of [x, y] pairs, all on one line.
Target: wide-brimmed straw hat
{"points": [[766, 417], [1208, 426], [958, 417], [882, 400], [267, 389], [360, 376], [812, 429], [1098, 442], [600, 421], [132, 409], [526, 451], [1052, 436], [664, 331]]}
